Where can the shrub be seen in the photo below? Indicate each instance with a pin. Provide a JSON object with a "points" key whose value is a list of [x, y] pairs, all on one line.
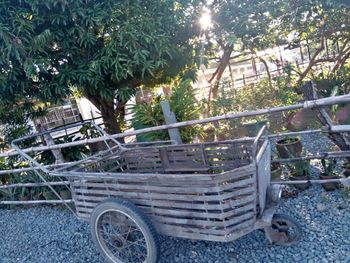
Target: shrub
{"points": [[148, 113]]}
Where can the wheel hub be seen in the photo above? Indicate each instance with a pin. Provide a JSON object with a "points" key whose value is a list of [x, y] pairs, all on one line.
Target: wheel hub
{"points": [[118, 242]]}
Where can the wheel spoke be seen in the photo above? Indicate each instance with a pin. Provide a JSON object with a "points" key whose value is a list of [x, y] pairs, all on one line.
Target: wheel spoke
{"points": [[122, 238]]}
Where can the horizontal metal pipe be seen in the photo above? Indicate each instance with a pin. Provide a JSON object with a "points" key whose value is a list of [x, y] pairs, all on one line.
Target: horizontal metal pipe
{"points": [[306, 104], [27, 169], [344, 181], [36, 202], [325, 155], [8, 186]]}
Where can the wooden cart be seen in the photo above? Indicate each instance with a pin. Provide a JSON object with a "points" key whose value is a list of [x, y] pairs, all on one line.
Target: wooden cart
{"points": [[217, 191]]}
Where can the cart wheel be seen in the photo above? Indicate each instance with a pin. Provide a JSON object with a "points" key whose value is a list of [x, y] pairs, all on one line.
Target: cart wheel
{"points": [[123, 234], [289, 226]]}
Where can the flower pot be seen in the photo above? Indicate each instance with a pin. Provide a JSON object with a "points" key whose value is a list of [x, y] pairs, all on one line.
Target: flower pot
{"points": [[289, 147], [297, 178], [329, 186]]}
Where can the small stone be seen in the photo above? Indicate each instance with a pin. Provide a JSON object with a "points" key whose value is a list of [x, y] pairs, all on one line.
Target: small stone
{"points": [[194, 254], [232, 255], [342, 206], [321, 207]]}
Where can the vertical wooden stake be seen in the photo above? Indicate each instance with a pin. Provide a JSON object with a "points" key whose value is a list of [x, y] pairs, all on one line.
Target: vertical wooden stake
{"points": [[170, 118]]}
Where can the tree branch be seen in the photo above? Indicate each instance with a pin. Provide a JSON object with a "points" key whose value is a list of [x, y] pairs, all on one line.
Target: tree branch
{"points": [[313, 59]]}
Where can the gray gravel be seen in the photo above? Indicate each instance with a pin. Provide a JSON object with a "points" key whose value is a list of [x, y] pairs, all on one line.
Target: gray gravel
{"points": [[51, 234]]}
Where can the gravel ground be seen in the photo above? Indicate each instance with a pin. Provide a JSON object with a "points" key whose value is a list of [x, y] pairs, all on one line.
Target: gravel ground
{"points": [[49, 234]]}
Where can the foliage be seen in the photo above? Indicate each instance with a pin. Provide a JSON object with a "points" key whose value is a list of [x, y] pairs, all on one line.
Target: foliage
{"points": [[104, 49], [182, 103], [251, 97], [337, 83], [245, 27], [328, 166], [300, 168]]}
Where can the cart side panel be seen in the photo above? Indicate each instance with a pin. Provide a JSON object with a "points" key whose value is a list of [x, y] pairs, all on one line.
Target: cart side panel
{"points": [[218, 209], [264, 173]]}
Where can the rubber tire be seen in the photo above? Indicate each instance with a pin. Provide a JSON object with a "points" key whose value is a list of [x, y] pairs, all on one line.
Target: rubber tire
{"points": [[290, 221], [137, 215]]}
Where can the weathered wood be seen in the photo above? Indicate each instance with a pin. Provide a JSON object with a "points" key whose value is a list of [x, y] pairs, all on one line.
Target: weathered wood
{"points": [[176, 189], [170, 118], [223, 197], [88, 206], [235, 199], [222, 177]]}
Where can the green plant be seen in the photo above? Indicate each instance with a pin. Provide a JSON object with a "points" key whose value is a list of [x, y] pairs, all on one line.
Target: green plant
{"points": [[182, 102], [328, 166], [104, 49], [300, 168]]}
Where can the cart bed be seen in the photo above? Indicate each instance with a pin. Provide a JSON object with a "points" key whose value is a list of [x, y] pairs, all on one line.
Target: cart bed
{"points": [[205, 191]]}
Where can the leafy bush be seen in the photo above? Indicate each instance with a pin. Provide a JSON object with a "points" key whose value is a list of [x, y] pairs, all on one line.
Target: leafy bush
{"points": [[182, 103], [251, 97]]}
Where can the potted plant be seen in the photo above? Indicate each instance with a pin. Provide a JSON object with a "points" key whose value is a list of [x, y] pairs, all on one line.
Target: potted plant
{"points": [[328, 173], [300, 170], [276, 171], [289, 147]]}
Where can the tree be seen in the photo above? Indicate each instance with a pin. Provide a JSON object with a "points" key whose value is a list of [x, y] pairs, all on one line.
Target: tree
{"points": [[249, 26], [321, 24], [241, 26], [103, 49]]}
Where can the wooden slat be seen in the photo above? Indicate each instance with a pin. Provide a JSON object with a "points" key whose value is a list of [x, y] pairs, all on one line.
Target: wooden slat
{"points": [[241, 230], [195, 226], [168, 196], [168, 189], [167, 211], [201, 222], [193, 205], [212, 231], [241, 171]]}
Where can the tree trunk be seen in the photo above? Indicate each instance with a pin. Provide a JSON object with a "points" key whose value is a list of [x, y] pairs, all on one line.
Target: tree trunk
{"points": [[109, 113], [109, 117], [216, 77]]}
